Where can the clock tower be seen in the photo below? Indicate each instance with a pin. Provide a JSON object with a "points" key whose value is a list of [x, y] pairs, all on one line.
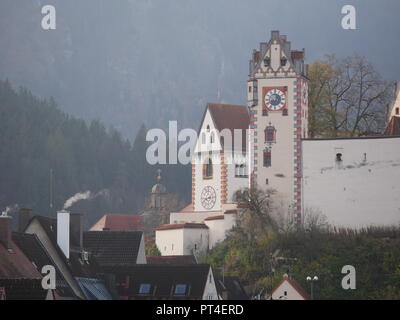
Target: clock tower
{"points": [[277, 92]]}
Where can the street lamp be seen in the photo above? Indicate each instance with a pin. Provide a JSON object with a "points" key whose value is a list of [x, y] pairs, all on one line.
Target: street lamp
{"points": [[312, 280]]}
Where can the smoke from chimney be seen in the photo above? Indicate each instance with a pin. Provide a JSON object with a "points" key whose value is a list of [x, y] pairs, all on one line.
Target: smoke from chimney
{"points": [[88, 195], [75, 198]]}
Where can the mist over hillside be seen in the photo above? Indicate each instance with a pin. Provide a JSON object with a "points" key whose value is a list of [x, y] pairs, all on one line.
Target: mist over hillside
{"points": [[151, 61]]}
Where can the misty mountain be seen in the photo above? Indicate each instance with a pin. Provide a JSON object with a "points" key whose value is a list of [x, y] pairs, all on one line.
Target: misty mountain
{"points": [[131, 61], [47, 156]]}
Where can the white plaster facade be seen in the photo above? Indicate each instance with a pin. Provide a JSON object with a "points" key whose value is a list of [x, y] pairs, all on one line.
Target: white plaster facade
{"points": [[363, 189], [287, 291], [210, 289], [182, 240]]}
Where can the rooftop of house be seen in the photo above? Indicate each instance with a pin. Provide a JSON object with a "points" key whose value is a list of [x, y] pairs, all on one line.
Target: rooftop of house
{"points": [[152, 281], [230, 117], [230, 288], [37, 254], [181, 226], [188, 259], [13, 262], [118, 222], [294, 285], [78, 267], [22, 289], [113, 247]]}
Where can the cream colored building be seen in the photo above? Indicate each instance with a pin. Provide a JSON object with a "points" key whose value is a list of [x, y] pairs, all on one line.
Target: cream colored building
{"points": [[267, 146]]}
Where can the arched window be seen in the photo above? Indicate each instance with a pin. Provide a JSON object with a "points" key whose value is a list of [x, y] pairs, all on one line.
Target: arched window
{"points": [[270, 134], [208, 169]]}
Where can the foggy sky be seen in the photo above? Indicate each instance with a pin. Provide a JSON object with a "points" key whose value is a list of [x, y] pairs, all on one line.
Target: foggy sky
{"points": [[133, 61]]}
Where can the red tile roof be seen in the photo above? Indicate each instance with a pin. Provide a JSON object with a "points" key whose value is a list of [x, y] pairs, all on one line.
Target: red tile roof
{"points": [[182, 226], [393, 127], [295, 286], [118, 222], [232, 211], [221, 217], [229, 116], [15, 265]]}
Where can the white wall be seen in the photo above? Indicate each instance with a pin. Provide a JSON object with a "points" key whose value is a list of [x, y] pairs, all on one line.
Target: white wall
{"points": [[170, 242], [216, 231], [141, 257], [195, 217], [230, 221], [291, 293], [183, 241], [210, 290], [354, 194], [236, 183]]}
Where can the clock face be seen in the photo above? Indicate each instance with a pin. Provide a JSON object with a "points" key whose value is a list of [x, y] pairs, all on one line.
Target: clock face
{"points": [[275, 99], [208, 197]]}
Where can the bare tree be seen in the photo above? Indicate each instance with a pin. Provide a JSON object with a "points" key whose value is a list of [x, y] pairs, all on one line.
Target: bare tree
{"points": [[347, 97], [256, 211]]}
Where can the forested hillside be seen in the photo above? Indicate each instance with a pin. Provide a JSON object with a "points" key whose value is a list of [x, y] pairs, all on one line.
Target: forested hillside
{"points": [[44, 151]]}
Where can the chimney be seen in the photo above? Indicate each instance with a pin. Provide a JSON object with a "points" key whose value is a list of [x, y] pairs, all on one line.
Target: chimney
{"points": [[76, 225], [5, 230], [274, 35], [63, 220], [24, 217]]}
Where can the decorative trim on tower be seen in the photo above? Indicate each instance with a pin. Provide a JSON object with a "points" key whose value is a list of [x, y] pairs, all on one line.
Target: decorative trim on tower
{"points": [[224, 175], [297, 163]]}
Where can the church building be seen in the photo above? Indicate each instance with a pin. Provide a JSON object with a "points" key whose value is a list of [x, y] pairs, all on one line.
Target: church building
{"points": [[354, 182]]}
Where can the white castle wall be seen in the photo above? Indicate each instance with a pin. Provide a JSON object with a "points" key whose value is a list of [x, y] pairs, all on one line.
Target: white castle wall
{"points": [[363, 190], [216, 231], [183, 241]]}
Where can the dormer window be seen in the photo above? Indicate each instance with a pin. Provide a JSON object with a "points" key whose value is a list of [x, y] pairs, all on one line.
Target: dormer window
{"points": [[145, 288], [267, 62], [283, 61], [180, 289]]}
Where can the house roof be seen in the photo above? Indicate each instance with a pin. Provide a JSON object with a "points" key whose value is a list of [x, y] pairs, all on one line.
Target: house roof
{"points": [[181, 226], [219, 217], [93, 289], [15, 265], [294, 285], [23, 289], [231, 288], [118, 222], [163, 279], [35, 252], [188, 259], [75, 263], [231, 117], [393, 127], [113, 247]]}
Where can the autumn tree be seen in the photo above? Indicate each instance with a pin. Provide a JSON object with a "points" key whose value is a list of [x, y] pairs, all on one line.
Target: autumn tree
{"points": [[347, 97]]}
